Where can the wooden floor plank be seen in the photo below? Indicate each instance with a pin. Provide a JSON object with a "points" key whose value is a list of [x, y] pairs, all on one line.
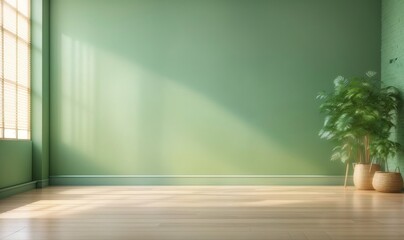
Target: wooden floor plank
{"points": [[202, 212]]}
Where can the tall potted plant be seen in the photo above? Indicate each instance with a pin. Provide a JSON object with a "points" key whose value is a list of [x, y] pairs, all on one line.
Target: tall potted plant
{"points": [[356, 113]]}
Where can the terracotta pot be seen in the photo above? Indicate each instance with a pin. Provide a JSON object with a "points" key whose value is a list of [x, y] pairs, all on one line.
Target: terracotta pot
{"points": [[363, 175], [388, 182]]}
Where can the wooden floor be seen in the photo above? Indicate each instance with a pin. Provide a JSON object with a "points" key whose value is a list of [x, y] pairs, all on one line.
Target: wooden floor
{"points": [[187, 213]]}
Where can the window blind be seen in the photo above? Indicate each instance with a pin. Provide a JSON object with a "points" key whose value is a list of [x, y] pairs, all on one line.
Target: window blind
{"points": [[15, 99]]}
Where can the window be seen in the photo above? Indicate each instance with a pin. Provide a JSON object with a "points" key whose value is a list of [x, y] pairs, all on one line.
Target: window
{"points": [[15, 69]]}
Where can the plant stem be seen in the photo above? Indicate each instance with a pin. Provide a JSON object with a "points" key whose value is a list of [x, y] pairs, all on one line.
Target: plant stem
{"points": [[347, 167], [346, 174], [367, 149], [365, 145]]}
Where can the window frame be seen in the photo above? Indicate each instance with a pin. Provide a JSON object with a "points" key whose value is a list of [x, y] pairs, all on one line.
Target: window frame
{"points": [[22, 85]]}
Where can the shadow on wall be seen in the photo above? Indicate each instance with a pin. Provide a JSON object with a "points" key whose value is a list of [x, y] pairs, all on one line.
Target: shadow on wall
{"points": [[194, 88]]}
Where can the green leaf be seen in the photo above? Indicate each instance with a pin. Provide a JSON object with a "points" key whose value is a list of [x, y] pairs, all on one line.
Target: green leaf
{"points": [[360, 107]]}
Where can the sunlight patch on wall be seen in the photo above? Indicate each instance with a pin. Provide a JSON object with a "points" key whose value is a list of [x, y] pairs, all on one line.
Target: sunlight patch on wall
{"points": [[112, 109]]}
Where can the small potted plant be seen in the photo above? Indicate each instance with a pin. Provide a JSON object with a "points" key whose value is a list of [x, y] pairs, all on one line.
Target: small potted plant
{"points": [[383, 146], [386, 181], [358, 113]]}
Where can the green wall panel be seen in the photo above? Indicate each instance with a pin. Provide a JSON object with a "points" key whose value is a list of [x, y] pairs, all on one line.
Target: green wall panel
{"points": [[200, 87], [40, 88], [15, 162], [393, 61]]}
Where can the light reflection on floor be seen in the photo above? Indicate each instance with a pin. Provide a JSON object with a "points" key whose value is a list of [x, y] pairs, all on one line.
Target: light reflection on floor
{"points": [[192, 212]]}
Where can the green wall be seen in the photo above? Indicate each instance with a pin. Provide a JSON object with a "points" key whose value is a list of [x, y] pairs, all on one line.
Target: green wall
{"points": [[40, 89], [15, 163], [393, 60], [210, 87]]}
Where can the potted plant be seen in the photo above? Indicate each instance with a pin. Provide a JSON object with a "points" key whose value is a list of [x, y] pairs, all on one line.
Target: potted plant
{"points": [[383, 147], [386, 181], [358, 114]]}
